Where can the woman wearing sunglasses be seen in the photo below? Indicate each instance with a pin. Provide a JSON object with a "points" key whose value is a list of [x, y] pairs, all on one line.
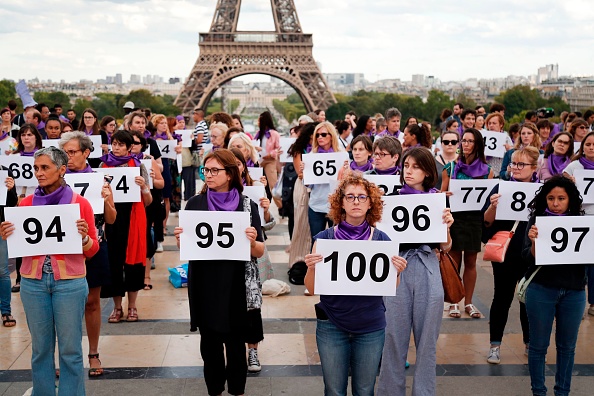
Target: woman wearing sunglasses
{"points": [[448, 153]]}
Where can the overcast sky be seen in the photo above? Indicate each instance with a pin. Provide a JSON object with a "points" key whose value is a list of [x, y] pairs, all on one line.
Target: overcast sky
{"points": [[452, 40]]}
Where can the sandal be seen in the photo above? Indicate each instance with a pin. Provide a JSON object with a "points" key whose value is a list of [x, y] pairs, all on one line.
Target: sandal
{"points": [[147, 286], [116, 315], [8, 320], [16, 288], [132, 315], [95, 371], [472, 311], [455, 311]]}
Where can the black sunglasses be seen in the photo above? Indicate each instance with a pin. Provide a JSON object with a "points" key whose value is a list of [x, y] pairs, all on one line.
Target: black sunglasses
{"points": [[448, 142], [323, 134]]}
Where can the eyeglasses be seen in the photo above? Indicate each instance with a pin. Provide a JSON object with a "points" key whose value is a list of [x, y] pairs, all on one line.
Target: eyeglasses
{"points": [[89, 117], [519, 165], [212, 171], [360, 198], [562, 141], [582, 127], [469, 141], [323, 135], [380, 155], [72, 153], [136, 143], [449, 142]]}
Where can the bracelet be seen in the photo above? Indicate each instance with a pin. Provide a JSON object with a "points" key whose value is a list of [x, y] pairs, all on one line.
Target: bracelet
{"points": [[85, 240], [146, 190]]}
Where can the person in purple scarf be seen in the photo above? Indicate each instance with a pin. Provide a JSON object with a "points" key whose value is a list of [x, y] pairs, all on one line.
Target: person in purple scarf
{"points": [[350, 330], [466, 231], [216, 288], [386, 155], [418, 304], [584, 159], [90, 124], [362, 150], [508, 273], [557, 156], [556, 293]]}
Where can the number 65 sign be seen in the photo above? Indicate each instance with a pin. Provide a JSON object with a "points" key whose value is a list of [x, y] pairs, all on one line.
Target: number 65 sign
{"points": [[322, 168]]}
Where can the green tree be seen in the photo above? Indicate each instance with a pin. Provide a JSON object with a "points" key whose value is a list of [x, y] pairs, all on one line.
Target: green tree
{"points": [[7, 92], [518, 98], [51, 98]]}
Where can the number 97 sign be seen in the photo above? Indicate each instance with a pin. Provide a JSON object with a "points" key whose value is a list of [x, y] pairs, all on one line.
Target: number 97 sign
{"points": [[564, 240], [356, 268]]}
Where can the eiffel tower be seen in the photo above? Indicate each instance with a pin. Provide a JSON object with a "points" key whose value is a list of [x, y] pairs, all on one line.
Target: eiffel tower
{"points": [[226, 53]]}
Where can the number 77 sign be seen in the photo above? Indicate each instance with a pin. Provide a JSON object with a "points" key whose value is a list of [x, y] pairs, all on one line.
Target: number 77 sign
{"points": [[469, 195], [564, 240], [584, 180]]}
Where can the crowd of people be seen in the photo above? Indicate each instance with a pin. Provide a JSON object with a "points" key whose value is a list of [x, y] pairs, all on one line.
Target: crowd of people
{"points": [[364, 334]]}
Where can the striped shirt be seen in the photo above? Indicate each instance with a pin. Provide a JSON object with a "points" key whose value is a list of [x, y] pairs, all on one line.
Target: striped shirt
{"points": [[201, 128]]}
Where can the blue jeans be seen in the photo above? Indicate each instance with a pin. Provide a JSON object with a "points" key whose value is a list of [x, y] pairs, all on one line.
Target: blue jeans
{"points": [[340, 350], [318, 222], [543, 304], [5, 294], [56, 308], [590, 274]]}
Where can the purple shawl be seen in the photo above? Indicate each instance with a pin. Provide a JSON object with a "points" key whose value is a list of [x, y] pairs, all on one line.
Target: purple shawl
{"points": [[261, 134], [322, 151], [586, 163], [88, 169], [390, 171], [347, 231], [406, 189], [222, 201], [363, 168], [62, 196], [29, 154], [557, 163], [113, 161], [475, 169]]}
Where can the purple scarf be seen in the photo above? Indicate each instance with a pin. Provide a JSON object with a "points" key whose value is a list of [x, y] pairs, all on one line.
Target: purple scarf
{"points": [[363, 168], [347, 231], [88, 169], [249, 163], [3, 136], [62, 196], [139, 156], [586, 163], [406, 189], [177, 137], [112, 160], [29, 154], [557, 163], [474, 170], [261, 134], [322, 151], [147, 134], [222, 201], [385, 132], [390, 171], [533, 179], [162, 136], [308, 148], [549, 213], [87, 132]]}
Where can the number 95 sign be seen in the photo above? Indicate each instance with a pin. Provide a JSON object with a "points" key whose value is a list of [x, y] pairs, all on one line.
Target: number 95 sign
{"points": [[564, 240]]}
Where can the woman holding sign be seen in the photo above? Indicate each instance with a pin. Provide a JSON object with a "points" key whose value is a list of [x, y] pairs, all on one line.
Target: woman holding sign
{"points": [[350, 329], [557, 156], [508, 273], [529, 136], [54, 289], [556, 293], [5, 292], [466, 231], [217, 288], [418, 304], [584, 159]]}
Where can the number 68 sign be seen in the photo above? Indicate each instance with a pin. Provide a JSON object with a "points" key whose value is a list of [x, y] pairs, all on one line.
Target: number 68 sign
{"points": [[564, 240], [356, 268]]}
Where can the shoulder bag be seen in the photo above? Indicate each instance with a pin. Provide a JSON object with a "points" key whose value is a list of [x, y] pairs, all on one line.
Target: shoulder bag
{"points": [[496, 247]]}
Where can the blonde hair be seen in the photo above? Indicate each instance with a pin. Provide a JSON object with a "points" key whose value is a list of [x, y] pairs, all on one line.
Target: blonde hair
{"points": [[529, 151], [336, 146], [535, 140], [248, 143], [220, 126], [156, 119]]}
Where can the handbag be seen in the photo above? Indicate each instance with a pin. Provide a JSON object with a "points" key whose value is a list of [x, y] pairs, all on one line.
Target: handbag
{"points": [[523, 286], [453, 289], [496, 247], [253, 287], [196, 159], [277, 190]]}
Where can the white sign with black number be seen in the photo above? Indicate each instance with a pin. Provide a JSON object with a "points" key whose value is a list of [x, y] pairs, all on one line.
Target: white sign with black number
{"points": [[123, 186], [285, 144], [255, 193], [514, 200], [97, 150], [356, 268], [43, 230], [494, 143], [388, 184], [167, 148], [89, 185], [584, 180], [214, 235], [321, 168], [415, 218], [148, 164], [468, 195], [3, 188], [564, 240], [255, 172], [187, 135], [21, 168]]}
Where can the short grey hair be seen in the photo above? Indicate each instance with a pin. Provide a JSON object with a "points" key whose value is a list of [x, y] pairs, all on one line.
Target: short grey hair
{"points": [[84, 141], [392, 112], [56, 155]]}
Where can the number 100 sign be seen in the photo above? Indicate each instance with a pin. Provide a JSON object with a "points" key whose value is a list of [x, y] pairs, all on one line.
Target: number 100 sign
{"points": [[214, 235], [356, 268], [564, 240]]}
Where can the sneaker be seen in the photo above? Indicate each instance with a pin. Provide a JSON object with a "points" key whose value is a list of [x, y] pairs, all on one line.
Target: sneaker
{"points": [[253, 362], [159, 247], [494, 357], [406, 365]]}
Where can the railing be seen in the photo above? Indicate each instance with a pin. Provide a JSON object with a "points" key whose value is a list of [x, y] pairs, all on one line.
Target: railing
{"points": [[256, 37]]}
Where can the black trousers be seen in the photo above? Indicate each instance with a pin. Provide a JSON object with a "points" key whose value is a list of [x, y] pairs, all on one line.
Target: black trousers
{"points": [[189, 178], [506, 276], [213, 355]]}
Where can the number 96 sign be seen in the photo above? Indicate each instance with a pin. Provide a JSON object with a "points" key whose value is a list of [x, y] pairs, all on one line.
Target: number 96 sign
{"points": [[356, 268], [564, 240]]}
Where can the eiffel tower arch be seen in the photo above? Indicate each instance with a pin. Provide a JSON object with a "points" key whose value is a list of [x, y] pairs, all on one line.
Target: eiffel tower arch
{"points": [[226, 53]]}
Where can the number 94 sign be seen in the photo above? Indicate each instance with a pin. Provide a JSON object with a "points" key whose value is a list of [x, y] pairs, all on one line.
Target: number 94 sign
{"points": [[564, 240]]}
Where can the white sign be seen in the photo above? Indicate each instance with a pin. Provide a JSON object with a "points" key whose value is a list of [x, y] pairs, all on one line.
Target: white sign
{"points": [[21, 168], [255, 193], [5, 146], [214, 235], [564, 240], [178, 160], [321, 168], [50, 143], [584, 179], [514, 200], [123, 186], [468, 195], [88, 185], [97, 150], [494, 143], [285, 144], [207, 147], [43, 230], [187, 136], [389, 184], [576, 147], [167, 148], [414, 218], [3, 188], [255, 172], [148, 164], [356, 268]]}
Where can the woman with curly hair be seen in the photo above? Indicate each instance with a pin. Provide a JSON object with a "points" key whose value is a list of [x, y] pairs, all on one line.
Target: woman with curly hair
{"points": [[350, 329]]}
